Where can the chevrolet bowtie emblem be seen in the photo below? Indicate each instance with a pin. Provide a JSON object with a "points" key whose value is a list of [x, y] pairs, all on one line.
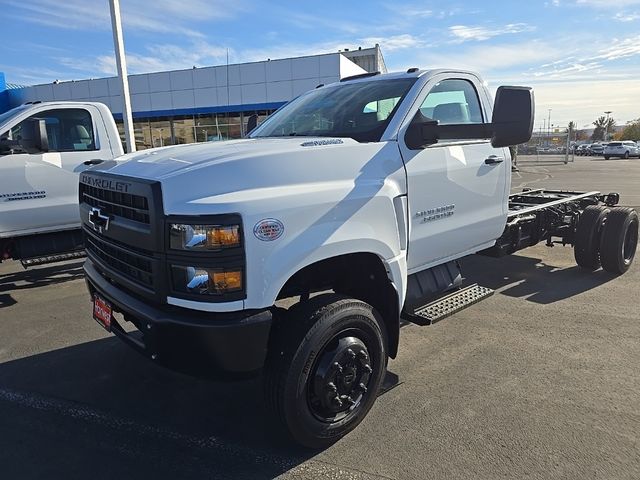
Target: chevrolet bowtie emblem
{"points": [[98, 221]]}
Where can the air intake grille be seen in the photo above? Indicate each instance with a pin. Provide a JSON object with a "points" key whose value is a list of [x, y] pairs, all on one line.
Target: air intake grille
{"points": [[125, 205], [132, 265]]}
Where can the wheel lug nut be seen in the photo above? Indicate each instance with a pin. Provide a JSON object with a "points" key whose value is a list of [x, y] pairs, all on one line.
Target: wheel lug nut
{"points": [[350, 401], [332, 387], [363, 355], [351, 353], [363, 387], [368, 368], [337, 366], [337, 402]]}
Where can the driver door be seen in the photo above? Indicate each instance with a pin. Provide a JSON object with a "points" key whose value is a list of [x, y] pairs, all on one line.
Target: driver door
{"points": [[457, 189]]}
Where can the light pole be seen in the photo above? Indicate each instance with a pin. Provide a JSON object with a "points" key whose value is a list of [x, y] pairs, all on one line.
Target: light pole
{"points": [[549, 129], [606, 126], [121, 63]]}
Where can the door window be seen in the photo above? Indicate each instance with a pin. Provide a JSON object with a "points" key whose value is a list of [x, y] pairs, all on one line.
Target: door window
{"points": [[453, 101], [68, 130]]}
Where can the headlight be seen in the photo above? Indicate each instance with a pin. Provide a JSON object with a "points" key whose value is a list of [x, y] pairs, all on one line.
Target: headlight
{"points": [[207, 281], [203, 237]]}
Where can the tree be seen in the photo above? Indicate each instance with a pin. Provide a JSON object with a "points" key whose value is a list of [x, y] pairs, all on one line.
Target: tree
{"points": [[631, 131], [602, 126]]}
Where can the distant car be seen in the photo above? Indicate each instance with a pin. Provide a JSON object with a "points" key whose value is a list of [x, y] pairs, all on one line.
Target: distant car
{"points": [[582, 149], [596, 149], [624, 149]]}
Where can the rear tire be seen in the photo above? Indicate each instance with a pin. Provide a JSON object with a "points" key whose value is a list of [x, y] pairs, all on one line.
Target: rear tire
{"points": [[586, 247], [607, 157], [626, 155], [619, 239], [325, 366]]}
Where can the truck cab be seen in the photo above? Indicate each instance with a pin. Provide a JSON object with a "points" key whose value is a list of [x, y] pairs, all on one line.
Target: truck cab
{"points": [[353, 201], [43, 147]]}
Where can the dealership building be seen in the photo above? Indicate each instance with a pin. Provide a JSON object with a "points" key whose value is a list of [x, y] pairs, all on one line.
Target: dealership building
{"points": [[202, 103]]}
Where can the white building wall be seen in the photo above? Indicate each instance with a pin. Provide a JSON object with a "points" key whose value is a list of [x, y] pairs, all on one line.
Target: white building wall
{"points": [[233, 86]]}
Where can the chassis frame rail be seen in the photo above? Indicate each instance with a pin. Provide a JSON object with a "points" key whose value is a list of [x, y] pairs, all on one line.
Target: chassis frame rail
{"points": [[539, 214]]}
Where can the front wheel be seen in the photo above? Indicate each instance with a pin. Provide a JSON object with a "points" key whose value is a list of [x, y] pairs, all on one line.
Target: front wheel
{"points": [[626, 155], [607, 157], [325, 366]]}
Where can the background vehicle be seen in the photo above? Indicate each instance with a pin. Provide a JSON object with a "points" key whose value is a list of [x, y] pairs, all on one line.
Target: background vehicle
{"points": [[582, 149], [43, 147], [596, 149], [624, 149], [370, 189]]}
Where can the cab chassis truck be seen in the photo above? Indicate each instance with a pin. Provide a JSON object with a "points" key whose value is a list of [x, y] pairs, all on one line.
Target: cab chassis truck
{"points": [[356, 199]]}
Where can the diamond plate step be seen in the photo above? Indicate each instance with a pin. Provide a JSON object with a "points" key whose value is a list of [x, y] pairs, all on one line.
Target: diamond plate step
{"points": [[32, 262], [449, 304]]}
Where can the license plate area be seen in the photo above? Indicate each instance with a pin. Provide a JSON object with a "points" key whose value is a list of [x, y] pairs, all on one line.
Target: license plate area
{"points": [[102, 312]]}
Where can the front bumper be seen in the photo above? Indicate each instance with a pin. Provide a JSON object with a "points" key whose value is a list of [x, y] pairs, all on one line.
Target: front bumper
{"points": [[198, 343]]}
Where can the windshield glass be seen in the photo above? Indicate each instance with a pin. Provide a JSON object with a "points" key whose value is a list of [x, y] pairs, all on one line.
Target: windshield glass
{"points": [[7, 115], [360, 110]]}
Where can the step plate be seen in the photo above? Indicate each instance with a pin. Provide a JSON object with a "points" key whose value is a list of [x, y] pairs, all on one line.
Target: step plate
{"points": [[450, 304], [45, 259]]}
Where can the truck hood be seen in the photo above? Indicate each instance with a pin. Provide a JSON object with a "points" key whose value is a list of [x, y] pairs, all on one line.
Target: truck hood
{"points": [[165, 162], [235, 171]]}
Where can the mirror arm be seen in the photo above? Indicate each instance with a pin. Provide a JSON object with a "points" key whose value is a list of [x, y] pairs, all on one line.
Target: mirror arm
{"points": [[465, 131]]}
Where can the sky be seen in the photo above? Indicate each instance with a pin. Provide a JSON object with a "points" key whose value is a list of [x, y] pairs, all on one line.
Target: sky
{"points": [[582, 57]]}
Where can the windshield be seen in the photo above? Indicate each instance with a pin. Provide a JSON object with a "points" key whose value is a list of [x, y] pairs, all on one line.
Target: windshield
{"points": [[360, 110], [7, 115]]}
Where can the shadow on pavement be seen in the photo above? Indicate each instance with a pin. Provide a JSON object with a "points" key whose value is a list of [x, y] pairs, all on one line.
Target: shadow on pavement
{"points": [[119, 415], [99, 410], [519, 276], [37, 277]]}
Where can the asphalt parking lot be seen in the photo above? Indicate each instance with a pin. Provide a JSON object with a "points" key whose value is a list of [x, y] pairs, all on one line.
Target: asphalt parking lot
{"points": [[541, 380]]}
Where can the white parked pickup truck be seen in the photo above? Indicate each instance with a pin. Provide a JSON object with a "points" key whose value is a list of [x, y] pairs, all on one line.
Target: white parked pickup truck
{"points": [[43, 147], [369, 189]]}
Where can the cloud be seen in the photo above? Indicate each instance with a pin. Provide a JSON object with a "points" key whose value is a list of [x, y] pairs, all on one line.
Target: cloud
{"points": [[603, 62], [164, 16], [396, 42], [498, 58], [463, 33], [607, 4], [627, 17], [619, 49], [584, 101]]}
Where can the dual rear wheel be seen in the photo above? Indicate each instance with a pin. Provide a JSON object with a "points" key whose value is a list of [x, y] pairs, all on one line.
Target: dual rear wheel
{"points": [[606, 237]]}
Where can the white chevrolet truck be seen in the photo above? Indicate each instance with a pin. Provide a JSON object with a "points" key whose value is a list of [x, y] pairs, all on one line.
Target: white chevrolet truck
{"points": [[43, 148], [368, 189]]}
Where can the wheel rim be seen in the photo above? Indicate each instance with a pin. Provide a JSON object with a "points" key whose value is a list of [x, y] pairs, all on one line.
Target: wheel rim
{"points": [[630, 242], [339, 383]]}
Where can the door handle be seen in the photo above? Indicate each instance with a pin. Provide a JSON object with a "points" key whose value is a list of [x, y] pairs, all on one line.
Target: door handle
{"points": [[95, 161], [493, 160]]}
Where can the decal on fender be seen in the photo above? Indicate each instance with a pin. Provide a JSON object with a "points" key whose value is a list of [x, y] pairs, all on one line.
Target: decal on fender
{"points": [[268, 229]]}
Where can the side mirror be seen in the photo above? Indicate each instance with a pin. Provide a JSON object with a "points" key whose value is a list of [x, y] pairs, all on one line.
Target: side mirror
{"points": [[421, 132], [33, 136], [424, 131], [511, 124], [513, 112]]}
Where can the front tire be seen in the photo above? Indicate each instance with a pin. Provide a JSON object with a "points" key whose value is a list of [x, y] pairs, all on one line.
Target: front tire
{"points": [[619, 240], [325, 366], [626, 155]]}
